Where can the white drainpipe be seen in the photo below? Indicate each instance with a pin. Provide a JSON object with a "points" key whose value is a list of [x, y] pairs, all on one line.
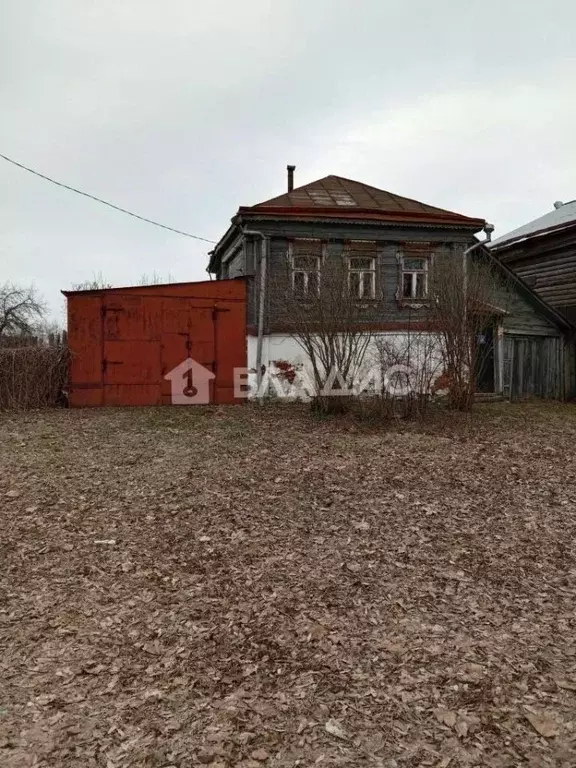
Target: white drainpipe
{"points": [[261, 300], [488, 229]]}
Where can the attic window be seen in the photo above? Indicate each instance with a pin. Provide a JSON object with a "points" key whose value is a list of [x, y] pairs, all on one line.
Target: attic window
{"points": [[343, 198], [322, 198]]}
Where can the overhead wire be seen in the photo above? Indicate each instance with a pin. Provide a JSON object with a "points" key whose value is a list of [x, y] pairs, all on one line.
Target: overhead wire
{"points": [[104, 202]]}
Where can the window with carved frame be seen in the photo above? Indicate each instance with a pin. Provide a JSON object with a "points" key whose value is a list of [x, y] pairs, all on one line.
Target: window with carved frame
{"points": [[414, 270], [305, 258], [361, 258]]}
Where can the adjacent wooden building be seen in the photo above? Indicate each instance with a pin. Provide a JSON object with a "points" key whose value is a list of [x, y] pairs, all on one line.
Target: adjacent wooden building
{"points": [[543, 254]]}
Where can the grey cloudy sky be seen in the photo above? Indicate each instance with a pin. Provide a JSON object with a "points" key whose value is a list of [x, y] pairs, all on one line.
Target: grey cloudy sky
{"points": [[183, 110]]}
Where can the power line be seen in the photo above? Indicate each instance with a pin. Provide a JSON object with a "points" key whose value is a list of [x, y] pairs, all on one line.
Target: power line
{"points": [[104, 202]]}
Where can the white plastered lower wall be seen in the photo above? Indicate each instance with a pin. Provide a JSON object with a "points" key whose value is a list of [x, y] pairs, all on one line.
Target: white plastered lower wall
{"points": [[419, 350]]}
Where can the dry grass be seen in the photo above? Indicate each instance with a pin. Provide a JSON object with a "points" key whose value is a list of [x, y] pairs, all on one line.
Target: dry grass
{"points": [[281, 592]]}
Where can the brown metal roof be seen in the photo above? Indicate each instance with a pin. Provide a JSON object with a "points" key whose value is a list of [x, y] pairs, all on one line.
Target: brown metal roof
{"points": [[335, 196]]}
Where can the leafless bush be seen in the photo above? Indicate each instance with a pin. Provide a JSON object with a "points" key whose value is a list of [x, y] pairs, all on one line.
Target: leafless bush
{"points": [[33, 376], [97, 283], [466, 296], [409, 364], [323, 300], [41, 336], [317, 299], [156, 278]]}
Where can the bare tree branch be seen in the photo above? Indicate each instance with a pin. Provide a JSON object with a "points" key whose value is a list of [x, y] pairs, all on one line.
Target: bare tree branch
{"points": [[314, 300], [97, 283], [20, 309], [467, 296]]}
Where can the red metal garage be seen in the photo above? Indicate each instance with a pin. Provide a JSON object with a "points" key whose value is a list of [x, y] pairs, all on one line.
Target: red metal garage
{"points": [[124, 342]]}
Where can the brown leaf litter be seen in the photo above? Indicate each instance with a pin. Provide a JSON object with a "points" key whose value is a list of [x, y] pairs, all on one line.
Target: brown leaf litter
{"points": [[249, 587]]}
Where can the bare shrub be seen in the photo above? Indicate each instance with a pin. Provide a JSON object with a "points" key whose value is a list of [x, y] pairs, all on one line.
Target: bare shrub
{"points": [[156, 278], [323, 302], [466, 295], [33, 376], [316, 301], [97, 283], [409, 365]]}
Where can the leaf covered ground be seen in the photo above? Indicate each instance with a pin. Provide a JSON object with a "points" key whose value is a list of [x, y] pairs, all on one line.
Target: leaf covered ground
{"points": [[250, 587]]}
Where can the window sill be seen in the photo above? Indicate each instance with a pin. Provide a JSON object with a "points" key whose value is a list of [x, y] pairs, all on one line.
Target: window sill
{"points": [[413, 303]]}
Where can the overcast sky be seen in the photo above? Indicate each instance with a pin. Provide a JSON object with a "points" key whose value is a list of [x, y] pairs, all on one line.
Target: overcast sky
{"points": [[183, 110]]}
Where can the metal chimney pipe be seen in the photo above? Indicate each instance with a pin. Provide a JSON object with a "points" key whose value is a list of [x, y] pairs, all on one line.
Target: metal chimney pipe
{"points": [[290, 169]]}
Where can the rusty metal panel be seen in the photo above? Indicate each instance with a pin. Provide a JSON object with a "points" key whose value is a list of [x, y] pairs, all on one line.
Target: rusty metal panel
{"points": [[188, 334], [133, 394], [124, 341], [225, 396], [131, 317], [173, 350], [85, 345], [230, 326], [134, 361], [175, 312], [202, 337], [89, 397]]}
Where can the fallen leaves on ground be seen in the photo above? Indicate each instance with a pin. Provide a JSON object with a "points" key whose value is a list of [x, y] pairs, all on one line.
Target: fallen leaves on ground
{"points": [[244, 587]]}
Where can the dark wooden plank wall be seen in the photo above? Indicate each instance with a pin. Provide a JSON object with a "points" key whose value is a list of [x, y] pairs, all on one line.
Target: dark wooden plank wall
{"points": [[235, 266], [548, 265], [385, 307], [521, 317], [533, 367]]}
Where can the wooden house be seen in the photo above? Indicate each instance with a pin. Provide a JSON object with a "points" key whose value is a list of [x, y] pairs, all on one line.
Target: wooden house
{"points": [[390, 245]]}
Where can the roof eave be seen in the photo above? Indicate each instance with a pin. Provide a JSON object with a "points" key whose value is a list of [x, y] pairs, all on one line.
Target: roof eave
{"points": [[361, 215], [496, 246], [224, 241], [119, 288]]}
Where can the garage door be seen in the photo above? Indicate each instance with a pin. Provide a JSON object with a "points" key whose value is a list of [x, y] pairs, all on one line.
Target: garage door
{"points": [[155, 348]]}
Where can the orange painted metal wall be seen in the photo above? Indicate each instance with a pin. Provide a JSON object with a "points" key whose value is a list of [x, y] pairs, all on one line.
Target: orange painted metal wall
{"points": [[123, 341]]}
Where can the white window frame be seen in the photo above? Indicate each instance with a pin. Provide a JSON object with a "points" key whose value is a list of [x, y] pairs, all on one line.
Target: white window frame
{"points": [[294, 270], [362, 271], [414, 272]]}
